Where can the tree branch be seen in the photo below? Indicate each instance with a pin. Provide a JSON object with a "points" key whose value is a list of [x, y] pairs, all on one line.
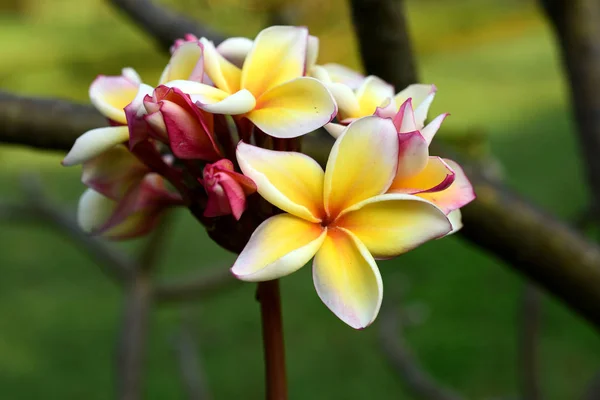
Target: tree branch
{"points": [[531, 241], [529, 331], [164, 25], [49, 124], [576, 24], [396, 350], [36, 208], [192, 374], [195, 287]]}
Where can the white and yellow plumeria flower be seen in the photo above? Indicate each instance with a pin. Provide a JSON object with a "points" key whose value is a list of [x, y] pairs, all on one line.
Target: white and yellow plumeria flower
{"points": [[270, 89], [341, 216], [358, 98], [110, 95]]}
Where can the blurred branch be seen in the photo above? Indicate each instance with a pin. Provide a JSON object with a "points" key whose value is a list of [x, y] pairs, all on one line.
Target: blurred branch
{"points": [[164, 25], [531, 241], [529, 331], [196, 287], [49, 124], [192, 374], [154, 245], [593, 390], [396, 350], [577, 27], [130, 351], [35, 207]]}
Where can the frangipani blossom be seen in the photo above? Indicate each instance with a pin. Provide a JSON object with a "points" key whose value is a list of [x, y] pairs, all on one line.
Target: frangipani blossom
{"points": [[440, 181], [227, 190], [341, 216], [134, 214], [110, 95], [270, 89], [175, 120], [359, 98]]}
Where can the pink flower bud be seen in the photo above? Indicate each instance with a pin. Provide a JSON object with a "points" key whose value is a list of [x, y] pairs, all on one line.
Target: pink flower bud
{"points": [[227, 190], [176, 120]]}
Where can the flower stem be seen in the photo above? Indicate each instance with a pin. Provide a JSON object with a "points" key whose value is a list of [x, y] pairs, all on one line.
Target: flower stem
{"points": [[272, 327]]}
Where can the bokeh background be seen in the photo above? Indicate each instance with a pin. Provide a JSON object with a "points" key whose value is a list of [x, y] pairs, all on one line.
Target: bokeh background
{"points": [[496, 66]]}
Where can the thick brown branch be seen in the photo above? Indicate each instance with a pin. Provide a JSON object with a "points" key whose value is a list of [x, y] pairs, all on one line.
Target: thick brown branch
{"points": [[535, 243], [577, 27], [45, 123], [164, 25]]}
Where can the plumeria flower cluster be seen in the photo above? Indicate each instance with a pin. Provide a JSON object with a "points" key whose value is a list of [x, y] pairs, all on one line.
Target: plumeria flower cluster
{"points": [[221, 135]]}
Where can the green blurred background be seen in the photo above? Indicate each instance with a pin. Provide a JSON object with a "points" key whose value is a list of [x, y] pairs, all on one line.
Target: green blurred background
{"points": [[498, 74]]}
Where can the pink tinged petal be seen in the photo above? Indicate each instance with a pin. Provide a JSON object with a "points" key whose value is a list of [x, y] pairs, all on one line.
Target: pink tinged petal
{"points": [[238, 103], [413, 155], [278, 55], [226, 189], [113, 172], [346, 100], [455, 219], [186, 63], [279, 246], [294, 108], [189, 129], [225, 75], [188, 37], [347, 279], [334, 129], [291, 181], [435, 177], [312, 52], [362, 163], [458, 194], [373, 93], [341, 74], [387, 110], [135, 113], [95, 210], [93, 143], [392, 224], [422, 109], [431, 129], [110, 95], [235, 50], [404, 121]]}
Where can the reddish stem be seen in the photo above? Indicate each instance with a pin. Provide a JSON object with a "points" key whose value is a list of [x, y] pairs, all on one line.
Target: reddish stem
{"points": [[274, 351]]}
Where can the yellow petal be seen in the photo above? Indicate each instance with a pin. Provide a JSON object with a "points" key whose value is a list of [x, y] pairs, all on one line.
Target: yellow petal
{"points": [[436, 176], [225, 75], [279, 246], [362, 163], [278, 55], [347, 279], [185, 64], [111, 94], [392, 224], [293, 108], [458, 194], [373, 93], [216, 100], [312, 52], [94, 142], [291, 181], [334, 129], [422, 96]]}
